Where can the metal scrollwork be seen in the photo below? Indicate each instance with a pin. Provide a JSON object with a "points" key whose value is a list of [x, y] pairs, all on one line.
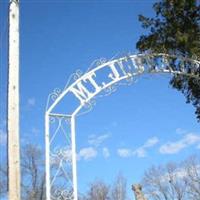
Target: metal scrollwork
{"points": [[109, 90], [96, 63], [77, 74], [62, 194], [88, 106], [100, 61], [53, 96], [52, 120], [59, 155]]}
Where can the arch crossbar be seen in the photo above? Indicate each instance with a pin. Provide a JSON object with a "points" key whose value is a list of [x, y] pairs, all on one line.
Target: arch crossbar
{"points": [[61, 159]]}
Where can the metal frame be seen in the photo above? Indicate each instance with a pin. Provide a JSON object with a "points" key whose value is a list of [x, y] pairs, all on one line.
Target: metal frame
{"points": [[119, 71]]}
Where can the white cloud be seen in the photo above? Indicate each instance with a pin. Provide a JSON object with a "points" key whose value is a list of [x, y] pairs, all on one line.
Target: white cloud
{"points": [[180, 131], [3, 137], [177, 146], [31, 102], [181, 172], [87, 153], [106, 152], [140, 151], [90, 152], [151, 142], [124, 152], [178, 173], [97, 140]]}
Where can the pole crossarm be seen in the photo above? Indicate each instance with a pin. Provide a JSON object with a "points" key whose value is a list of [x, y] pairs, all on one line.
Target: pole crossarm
{"points": [[59, 115], [101, 80]]}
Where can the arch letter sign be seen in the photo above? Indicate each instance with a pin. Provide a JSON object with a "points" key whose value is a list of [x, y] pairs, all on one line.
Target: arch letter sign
{"points": [[80, 92]]}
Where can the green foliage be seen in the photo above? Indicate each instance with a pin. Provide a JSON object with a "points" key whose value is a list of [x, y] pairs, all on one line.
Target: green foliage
{"points": [[175, 29]]}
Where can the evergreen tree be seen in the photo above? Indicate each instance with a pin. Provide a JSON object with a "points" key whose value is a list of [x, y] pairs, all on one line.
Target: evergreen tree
{"points": [[175, 29]]}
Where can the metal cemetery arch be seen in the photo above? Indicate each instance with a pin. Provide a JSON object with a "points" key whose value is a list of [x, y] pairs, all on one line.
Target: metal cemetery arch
{"points": [[61, 169]]}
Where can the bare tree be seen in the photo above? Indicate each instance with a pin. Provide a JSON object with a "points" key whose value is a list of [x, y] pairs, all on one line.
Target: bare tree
{"points": [[32, 171], [3, 179], [119, 188], [177, 185], [98, 191], [192, 177], [153, 185], [32, 167], [165, 183], [174, 181]]}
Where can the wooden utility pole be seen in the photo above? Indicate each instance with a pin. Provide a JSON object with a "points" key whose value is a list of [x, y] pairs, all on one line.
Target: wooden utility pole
{"points": [[13, 103]]}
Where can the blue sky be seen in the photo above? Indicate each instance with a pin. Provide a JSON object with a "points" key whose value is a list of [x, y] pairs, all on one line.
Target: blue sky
{"points": [[139, 125]]}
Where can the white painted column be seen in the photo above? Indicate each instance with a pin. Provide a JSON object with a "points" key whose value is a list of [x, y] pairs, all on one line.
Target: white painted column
{"points": [[74, 167], [13, 103], [47, 158]]}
